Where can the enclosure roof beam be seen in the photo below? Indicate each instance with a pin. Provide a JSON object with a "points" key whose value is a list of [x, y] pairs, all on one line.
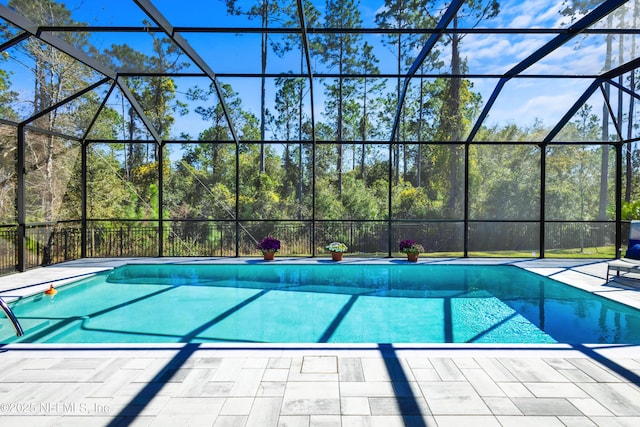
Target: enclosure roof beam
{"points": [[18, 20], [14, 41], [624, 89], [572, 111], [8, 122], [446, 18], [612, 114], [147, 7], [307, 56], [28, 26], [139, 110], [621, 69], [65, 101], [36, 129], [609, 75], [354, 75], [77, 54], [80, 56], [581, 25], [323, 30], [100, 108]]}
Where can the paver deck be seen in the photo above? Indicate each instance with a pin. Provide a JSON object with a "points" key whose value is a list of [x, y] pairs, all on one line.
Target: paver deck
{"points": [[318, 384]]}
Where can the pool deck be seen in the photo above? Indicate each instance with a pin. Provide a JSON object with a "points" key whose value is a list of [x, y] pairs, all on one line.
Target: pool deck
{"points": [[321, 384]]}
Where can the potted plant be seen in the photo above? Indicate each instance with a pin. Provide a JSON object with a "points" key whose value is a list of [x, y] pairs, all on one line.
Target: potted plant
{"points": [[269, 246], [336, 249], [411, 248]]}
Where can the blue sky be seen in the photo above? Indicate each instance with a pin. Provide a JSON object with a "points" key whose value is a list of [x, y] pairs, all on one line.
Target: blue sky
{"points": [[522, 100]]}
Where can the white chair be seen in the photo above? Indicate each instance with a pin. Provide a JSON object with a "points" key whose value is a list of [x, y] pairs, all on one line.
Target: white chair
{"points": [[630, 263]]}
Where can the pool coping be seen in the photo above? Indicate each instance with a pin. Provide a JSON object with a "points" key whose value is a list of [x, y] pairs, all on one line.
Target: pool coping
{"points": [[435, 350]]}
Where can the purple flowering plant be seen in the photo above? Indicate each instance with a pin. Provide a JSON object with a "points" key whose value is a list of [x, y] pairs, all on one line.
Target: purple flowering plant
{"points": [[269, 244], [410, 246]]}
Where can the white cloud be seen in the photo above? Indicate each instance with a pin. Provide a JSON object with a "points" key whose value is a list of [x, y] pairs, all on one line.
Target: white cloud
{"points": [[548, 105], [522, 101], [499, 52], [567, 60], [531, 14]]}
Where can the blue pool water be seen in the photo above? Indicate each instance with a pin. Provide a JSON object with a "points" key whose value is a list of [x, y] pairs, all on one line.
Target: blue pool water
{"points": [[273, 303]]}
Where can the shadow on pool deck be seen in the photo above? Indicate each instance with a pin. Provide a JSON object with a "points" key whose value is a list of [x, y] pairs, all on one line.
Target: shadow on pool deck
{"points": [[402, 363]]}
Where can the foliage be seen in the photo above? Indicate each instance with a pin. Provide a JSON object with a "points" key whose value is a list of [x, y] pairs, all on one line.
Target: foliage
{"points": [[8, 214], [269, 244], [410, 247], [6, 95], [336, 247], [631, 210], [411, 202]]}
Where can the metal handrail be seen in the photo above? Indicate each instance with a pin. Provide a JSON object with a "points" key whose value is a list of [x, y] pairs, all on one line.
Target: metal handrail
{"points": [[12, 317]]}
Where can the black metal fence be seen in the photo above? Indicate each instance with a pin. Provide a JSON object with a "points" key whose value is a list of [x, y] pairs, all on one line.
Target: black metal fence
{"points": [[122, 239], [47, 244], [8, 250], [54, 243]]}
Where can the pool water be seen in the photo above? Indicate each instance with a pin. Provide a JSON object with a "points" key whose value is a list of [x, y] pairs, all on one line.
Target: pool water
{"points": [[276, 303]]}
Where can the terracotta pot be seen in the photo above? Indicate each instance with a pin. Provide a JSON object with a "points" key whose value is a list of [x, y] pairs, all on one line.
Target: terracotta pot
{"points": [[268, 256], [336, 256], [412, 256]]}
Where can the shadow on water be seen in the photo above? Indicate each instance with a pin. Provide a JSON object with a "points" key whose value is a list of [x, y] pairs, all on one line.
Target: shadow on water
{"points": [[188, 337], [32, 338], [338, 319]]}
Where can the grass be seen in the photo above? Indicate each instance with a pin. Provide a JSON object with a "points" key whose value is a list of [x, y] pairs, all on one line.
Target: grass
{"points": [[576, 253], [592, 252]]}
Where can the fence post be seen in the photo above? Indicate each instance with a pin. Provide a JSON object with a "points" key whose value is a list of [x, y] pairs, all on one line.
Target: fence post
{"points": [[21, 245], [543, 189]]}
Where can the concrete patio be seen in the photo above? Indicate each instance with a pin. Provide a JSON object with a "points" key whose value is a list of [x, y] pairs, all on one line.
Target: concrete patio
{"points": [[320, 384]]}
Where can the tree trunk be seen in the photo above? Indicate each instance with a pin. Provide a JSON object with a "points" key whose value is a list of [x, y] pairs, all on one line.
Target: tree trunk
{"points": [[339, 129], [129, 158], [300, 109], [604, 164], [630, 118], [265, 40], [454, 113], [363, 130], [396, 162], [419, 154], [629, 145]]}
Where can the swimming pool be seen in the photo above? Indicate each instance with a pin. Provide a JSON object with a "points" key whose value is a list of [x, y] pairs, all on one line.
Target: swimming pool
{"points": [[280, 303]]}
